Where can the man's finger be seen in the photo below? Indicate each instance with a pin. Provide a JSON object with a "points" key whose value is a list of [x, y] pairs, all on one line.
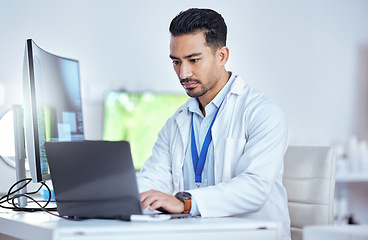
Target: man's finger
{"points": [[149, 197]]}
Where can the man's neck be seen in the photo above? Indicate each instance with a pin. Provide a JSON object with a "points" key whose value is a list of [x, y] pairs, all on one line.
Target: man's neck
{"points": [[210, 95]]}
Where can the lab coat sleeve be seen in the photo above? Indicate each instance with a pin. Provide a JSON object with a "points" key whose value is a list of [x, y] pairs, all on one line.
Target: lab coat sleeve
{"points": [[156, 171], [259, 166]]}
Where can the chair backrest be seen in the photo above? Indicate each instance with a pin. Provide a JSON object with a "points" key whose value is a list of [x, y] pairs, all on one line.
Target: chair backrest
{"points": [[309, 179]]}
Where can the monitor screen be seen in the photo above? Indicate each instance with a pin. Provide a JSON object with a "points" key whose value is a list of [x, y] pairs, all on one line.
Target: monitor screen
{"points": [[52, 105], [138, 118]]}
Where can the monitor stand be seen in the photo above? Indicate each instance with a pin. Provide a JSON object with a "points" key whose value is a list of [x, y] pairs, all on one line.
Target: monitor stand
{"points": [[20, 153]]}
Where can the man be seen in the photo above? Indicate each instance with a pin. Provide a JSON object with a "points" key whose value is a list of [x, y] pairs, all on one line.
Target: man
{"points": [[221, 153]]}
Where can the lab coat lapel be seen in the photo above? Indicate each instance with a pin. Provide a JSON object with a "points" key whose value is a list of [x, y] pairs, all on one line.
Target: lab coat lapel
{"points": [[223, 167], [183, 121]]}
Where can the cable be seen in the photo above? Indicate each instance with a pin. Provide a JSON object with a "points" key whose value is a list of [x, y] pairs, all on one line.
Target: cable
{"points": [[41, 208], [11, 196]]}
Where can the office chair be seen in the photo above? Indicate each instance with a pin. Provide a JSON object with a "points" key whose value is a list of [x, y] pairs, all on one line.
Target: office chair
{"points": [[309, 179]]}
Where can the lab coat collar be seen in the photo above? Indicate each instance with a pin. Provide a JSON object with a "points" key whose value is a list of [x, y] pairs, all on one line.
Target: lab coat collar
{"points": [[238, 85]]}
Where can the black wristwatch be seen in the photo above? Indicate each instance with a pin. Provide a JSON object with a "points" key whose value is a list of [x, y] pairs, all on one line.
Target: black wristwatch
{"points": [[186, 198]]}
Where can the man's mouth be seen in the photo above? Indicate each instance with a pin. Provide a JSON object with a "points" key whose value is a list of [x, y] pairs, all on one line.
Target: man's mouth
{"points": [[188, 84]]}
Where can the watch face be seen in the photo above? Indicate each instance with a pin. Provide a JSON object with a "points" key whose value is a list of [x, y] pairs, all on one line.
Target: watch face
{"points": [[183, 195]]}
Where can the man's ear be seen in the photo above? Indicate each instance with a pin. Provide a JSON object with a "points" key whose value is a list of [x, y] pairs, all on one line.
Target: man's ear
{"points": [[223, 55]]}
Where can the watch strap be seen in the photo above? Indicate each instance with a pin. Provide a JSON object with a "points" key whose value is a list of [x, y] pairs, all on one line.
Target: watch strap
{"points": [[187, 205]]}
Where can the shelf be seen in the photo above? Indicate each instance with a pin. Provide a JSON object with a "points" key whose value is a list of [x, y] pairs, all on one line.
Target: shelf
{"points": [[351, 177]]}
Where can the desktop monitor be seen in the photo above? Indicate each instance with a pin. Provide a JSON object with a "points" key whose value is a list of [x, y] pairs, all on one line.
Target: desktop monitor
{"points": [[52, 105], [138, 118]]}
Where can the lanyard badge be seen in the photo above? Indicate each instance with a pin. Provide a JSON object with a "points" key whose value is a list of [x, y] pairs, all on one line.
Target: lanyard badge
{"points": [[199, 161]]}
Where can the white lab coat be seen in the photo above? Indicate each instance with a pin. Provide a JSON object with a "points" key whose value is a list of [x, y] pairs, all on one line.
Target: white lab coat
{"points": [[250, 137]]}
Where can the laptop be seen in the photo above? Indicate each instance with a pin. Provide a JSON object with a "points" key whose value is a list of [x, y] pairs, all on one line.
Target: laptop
{"points": [[96, 179]]}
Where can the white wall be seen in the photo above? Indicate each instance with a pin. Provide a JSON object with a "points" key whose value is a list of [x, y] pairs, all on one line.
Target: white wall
{"points": [[311, 56]]}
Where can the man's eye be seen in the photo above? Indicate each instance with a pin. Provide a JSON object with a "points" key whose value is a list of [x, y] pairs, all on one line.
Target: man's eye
{"points": [[175, 62], [194, 60]]}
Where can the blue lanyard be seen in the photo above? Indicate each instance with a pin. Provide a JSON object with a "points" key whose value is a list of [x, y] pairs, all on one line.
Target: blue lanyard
{"points": [[198, 162]]}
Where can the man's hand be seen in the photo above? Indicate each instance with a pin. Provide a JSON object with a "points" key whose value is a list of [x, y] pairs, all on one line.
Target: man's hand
{"points": [[156, 200]]}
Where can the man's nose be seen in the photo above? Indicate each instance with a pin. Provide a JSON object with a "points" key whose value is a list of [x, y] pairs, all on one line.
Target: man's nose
{"points": [[185, 71]]}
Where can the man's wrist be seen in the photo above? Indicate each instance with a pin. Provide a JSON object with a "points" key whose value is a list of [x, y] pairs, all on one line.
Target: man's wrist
{"points": [[185, 198]]}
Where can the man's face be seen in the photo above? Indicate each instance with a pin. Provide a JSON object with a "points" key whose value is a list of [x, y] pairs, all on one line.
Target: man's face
{"points": [[195, 63]]}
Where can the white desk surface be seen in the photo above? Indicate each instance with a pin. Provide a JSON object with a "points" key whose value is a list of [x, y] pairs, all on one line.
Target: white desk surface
{"points": [[40, 225]]}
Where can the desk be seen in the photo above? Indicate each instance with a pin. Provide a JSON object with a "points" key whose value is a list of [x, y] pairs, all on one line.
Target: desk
{"points": [[350, 197], [41, 226]]}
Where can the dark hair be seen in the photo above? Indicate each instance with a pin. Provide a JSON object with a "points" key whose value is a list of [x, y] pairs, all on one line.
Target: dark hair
{"points": [[209, 21]]}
